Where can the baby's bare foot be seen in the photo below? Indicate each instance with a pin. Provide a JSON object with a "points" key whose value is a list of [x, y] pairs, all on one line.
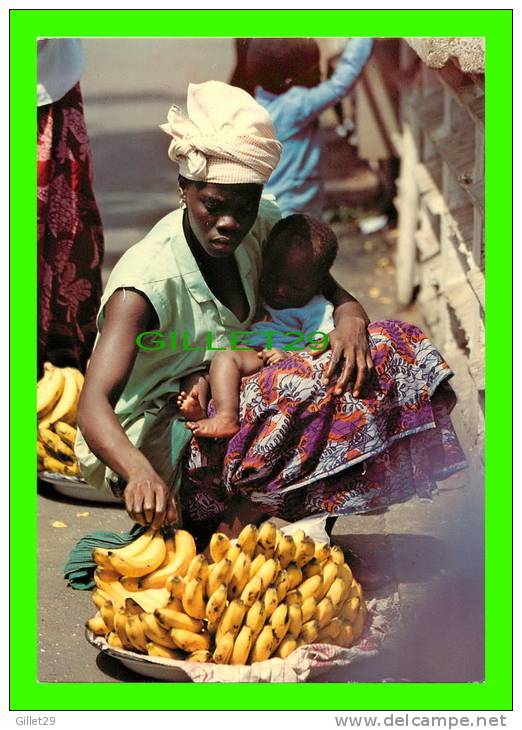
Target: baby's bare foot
{"points": [[190, 406], [216, 427]]}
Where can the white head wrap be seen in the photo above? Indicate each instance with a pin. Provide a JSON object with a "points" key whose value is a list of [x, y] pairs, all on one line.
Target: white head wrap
{"points": [[227, 136]]}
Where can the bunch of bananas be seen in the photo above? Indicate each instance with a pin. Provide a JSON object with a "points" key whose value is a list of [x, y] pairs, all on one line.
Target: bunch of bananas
{"points": [[266, 594], [58, 392]]}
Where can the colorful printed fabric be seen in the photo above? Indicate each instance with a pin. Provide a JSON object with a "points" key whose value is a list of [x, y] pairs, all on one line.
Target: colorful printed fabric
{"points": [[70, 237], [302, 451]]}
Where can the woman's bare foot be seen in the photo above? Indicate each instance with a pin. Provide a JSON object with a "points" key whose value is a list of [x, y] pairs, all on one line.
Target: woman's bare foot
{"points": [[215, 427], [190, 405]]}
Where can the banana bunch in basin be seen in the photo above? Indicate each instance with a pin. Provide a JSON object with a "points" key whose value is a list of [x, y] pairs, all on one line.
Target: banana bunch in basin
{"points": [[58, 393], [265, 594]]}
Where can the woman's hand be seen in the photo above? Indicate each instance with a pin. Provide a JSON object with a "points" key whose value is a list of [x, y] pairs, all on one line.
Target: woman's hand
{"points": [[149, 501], [349, 341]]}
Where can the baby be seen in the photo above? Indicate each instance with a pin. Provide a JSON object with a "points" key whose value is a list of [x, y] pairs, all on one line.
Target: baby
{"points": [[297, 258]]}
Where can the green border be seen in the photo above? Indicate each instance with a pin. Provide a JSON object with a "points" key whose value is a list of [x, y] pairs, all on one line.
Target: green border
{"points": [[26, 693]]}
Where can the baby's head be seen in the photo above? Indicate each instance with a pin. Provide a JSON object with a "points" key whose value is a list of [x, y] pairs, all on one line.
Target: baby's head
{"points": [[277, 64], [298, 255]]}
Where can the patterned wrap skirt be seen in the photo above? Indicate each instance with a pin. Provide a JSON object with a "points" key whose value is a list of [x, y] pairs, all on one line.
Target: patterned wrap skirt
{"points": [[301, 450], [70, 236]]}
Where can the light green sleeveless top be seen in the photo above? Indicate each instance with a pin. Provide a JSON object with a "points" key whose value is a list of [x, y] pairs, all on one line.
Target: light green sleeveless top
{"points": [[162, 267]]}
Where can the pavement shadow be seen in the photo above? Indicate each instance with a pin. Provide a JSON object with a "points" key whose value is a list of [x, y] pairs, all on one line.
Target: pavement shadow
{"points": [[48, 492]]}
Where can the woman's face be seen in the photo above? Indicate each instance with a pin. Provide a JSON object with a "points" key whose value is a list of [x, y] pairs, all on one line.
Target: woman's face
{"points": [[220, 216]]}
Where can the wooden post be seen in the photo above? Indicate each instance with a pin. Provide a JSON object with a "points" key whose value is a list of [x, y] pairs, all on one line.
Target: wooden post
{"points": [[408, 218]]}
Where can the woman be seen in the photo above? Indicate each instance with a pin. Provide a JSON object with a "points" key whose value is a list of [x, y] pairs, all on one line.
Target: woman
{"points": [[305, 445]]}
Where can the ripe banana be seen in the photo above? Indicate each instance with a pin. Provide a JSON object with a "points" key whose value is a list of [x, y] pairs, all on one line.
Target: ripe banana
{"points": [[256, 564], [294, 597], [268, 572], [158, 578], [331, 631], [170, 619], [232, 618], [216, 604], [356, 590], [41, 453], [337, 555], [345, 573], [113, 640], [193, 599], [55, 444], [65, 432], [56, 466], [304, 552], [312, 568], [49, 389], [310, 631], [252, 591], [219, 544], [158, 650], [295, 620], [107, 614], [65, 407], [224, 648], [311, 587], [280, 621], [185, 552], [281, 585], [295, 576], [99, 597], [264, 645], [198, 568], [266, 538], [97, 625], [330, 573], [350, 609], [337, 592], [247, 539], [133, 548], [255, 617], [233, 553], [132, 608], [324, 611], [202, 655], [218, 574], [285, 550], [308, 608], [155, 632], [120, 621], [242, 646], [322, 551], [270, 601], [358, 625], [136, 634], [346, 636], [239, 577], [144, 562], [286, 647], [175, 585], [189, 641], [130, 584]]}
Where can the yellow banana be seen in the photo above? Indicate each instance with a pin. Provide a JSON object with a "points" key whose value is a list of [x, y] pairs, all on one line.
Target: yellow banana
{"points": [[113, 640], [55, 466], [159, 650], [294, 597], [308, 608], [107, 576], [295, 620], [329, 633], [324, 612], [107, 614], [266, 537], [97, 625], [174, 603], [144, 562], [216, 604], [270, 600], [312, 568], [310, 631], [337, 592], [219, 544], [256, 564], [55, 444], [285, 550], [158, 578], [136, 634], [346, 636], [155, 632], [322, 551], [247, 539], [218, 574], [255, 617], [304, 552], [345, 573], [337, 555], [41, 453], [99, 597], [268, 572], [198, 568], [295, 576], [202, 655], [185, 552], [233, 553], [132, 608], [49, 389], [101, 559], [264, 645], [280, 621], [252, 591], [120, 621], [232, 618], [131, 549], [151, 599], [242, 646], [350, 609], [311, 587], [239, 577], [356, 590], [65, 432], [224, 648], [193, 599], [281, 585], [130, 584], [65, 407], [286, 647], [175, 585], [189, 641], [330, 573], [298, 535], [358, 625], [170, 619]]}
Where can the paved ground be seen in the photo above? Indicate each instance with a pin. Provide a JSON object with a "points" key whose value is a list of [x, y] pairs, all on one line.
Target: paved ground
{"points": [[432, 551]]}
